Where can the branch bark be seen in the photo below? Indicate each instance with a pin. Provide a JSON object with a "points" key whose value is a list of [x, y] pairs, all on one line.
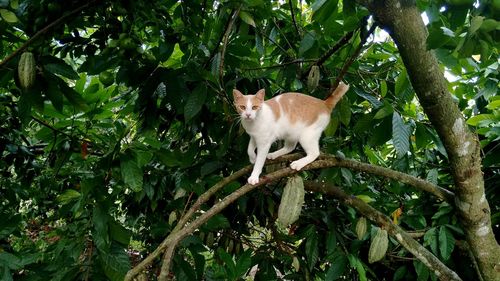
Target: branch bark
{"points": [[184, 228], [410, 244], [403, 22]]}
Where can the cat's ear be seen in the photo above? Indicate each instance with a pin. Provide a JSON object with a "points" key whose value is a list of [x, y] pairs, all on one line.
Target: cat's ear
{"points": [[261, 94], [237, 94]]}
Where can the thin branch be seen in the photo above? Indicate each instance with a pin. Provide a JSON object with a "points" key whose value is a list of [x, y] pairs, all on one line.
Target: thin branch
{"points": [[293, 17], [225, 39], [44, 30], [420, 252], [354, 56], [297, 61], [418, 183]]}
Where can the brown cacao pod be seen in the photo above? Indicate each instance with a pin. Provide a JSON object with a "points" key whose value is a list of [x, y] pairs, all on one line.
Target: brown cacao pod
{"points": [[379, 245], [26, 70], [361, 228], [292, 200]]}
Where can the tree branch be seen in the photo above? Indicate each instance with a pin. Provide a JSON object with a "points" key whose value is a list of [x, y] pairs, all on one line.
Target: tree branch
{"points": [[347, 64], [403, 21], [44, 30], [337, 46], [293, 17], [183, 228], [421, 253], [417, 183], [224, 44]]}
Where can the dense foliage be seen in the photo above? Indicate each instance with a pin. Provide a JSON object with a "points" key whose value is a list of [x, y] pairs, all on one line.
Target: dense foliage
{"points": [[130, 119]]}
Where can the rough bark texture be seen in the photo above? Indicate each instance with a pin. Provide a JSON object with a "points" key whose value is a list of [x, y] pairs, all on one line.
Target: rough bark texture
{"points": [[402, 20]]}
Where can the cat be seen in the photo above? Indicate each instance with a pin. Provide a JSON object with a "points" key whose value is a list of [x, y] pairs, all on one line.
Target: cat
{"points": [[292, 117]]}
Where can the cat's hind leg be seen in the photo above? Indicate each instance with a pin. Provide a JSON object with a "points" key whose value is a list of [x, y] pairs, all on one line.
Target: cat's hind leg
{"points": [[310, 144], [288, 147]]}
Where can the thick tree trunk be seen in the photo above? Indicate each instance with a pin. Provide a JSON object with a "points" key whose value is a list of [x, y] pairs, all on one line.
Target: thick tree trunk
{"points": [[402, 20]]}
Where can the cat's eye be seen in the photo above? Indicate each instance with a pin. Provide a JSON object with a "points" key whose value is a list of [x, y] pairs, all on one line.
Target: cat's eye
{"points": [[242, 107], [254, 107]]}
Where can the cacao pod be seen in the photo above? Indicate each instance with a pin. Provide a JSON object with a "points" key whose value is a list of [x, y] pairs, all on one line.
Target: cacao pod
{"points": [[26, 70], [379, 245], [292, 200], [361, 227], [313, 78]]}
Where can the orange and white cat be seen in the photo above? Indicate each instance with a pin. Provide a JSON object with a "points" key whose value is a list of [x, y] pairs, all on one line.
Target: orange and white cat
{"points": [[292, 117]]}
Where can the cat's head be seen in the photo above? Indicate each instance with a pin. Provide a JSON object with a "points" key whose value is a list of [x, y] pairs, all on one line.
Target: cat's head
{"points": [[248, 105]]}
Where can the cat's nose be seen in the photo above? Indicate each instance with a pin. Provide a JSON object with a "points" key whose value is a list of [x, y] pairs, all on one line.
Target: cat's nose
{"points": [[248, 115]]}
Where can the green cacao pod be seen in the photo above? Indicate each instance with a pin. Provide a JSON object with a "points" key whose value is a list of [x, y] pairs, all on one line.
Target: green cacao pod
{"points": [[291, 201], [26, 70], [361, 227], [313, 78], [379, 245]]}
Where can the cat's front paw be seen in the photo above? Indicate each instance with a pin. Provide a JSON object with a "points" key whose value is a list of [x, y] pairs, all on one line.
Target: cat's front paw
{"points": [[253, 180], [298, 165]]}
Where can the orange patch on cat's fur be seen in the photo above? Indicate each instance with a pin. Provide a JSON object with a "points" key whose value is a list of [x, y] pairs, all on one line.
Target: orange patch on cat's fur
{"points": [[301, 108]]}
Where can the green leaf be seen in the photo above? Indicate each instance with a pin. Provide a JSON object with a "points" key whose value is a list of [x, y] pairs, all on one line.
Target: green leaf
{"points": [[10, 261], [356, 263], [384, 111], [400, 135], [345, 111], [216, 222], [195, 102], [422, 271], [73, 96], [312, 249], [115, 263], [243, 263], [67, 196], [246, 17], [119, 233], [431, 239], [59, 66], [100, 235], [54, 94], [132, 174], [307, 42], [481, 118], [475, 24], [331, 243], [8, 16], [373, 100], [446, 242], [383, 88], [400, 273], [337, 268]]}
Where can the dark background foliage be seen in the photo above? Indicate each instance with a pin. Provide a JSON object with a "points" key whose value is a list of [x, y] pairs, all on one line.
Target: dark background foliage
{"points": [[131, 119]]}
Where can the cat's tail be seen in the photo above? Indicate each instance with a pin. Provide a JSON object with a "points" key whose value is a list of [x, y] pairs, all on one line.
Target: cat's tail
{"points": [[334, 98]]}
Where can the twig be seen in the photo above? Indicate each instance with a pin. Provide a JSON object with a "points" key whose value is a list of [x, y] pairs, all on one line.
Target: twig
{"points": [[420, 252], [354, 56], [293, 17], [224, 45], [44, 30], [219, 41], [280, 65]]}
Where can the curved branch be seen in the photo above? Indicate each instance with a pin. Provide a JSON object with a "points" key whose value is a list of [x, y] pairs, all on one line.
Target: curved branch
{"points": [[44, 30], [417, 183], [345, 67], [183, 228], [420, 252]]}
